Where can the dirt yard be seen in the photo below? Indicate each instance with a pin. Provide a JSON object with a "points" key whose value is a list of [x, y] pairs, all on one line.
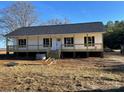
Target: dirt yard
{"points": [[84, 74]]}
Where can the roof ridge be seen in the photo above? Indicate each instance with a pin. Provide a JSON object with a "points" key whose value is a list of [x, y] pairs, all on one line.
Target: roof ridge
{"points": [[63, 24]]}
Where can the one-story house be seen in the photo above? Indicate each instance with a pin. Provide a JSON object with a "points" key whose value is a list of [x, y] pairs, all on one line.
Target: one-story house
{"points": [[76, 40]]}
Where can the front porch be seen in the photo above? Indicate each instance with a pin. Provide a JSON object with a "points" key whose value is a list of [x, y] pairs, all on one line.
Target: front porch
{"points": [[56, 43], [40, 48]]}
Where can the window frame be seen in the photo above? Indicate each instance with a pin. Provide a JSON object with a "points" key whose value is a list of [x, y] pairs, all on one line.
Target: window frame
{"points": [[22, 43], [89, 41], [68, 42], [47, 42]]}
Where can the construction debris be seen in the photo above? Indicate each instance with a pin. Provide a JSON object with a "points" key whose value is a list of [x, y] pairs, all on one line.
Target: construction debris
{"points": [[50, 61]]}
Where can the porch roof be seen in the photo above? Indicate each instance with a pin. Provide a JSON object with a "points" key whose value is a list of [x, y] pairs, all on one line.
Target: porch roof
{"points": [[59, 29]]}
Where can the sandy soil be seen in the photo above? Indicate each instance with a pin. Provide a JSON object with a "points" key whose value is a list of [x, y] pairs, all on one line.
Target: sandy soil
{"points": [[83, 74], [108, 60], [2, 52]]}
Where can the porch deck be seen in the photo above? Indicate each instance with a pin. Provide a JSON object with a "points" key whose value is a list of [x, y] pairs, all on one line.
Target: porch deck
{"points": [[63, 48]]}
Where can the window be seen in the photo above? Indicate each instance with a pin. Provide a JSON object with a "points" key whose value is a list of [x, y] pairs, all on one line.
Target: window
{"points": [[68, 42], [47, 42], [22, 42], [89, 41]]}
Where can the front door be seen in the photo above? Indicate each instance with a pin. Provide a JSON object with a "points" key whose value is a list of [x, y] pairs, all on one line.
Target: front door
{"points": [[58, 44]]}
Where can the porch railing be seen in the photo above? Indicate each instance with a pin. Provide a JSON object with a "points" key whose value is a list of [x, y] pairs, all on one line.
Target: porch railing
{"points": [[64, 47]]}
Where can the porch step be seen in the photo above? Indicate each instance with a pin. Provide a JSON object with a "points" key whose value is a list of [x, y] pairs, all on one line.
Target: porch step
{"points": [[54, 54]]}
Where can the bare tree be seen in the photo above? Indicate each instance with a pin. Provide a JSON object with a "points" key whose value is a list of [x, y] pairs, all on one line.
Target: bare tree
{"points": [[19, 14], [57, 21]]}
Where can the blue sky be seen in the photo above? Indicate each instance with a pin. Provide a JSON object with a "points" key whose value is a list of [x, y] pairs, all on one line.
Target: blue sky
{"points": [[77, 12], [81, 11]]}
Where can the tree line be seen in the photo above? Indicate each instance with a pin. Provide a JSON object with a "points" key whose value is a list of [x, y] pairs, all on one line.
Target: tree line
{"points": [[114, 36], [23, 14]]}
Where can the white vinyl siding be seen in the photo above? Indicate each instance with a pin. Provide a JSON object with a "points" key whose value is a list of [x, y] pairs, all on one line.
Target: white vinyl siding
{"points": [[78, 40]]}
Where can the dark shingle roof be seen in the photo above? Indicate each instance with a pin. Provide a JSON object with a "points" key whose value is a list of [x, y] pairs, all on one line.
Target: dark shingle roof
{"points": [[59, 29]]}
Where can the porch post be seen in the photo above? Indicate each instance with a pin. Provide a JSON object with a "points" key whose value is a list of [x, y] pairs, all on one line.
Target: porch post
{"points": [[27, 44], [17, 43], [74, 54], [27, 47], [87, 53], [49, 42], [74, 42], [61, 38], [101, 54], [48, 50], [7, 50], [102, 46], [38, 43]]}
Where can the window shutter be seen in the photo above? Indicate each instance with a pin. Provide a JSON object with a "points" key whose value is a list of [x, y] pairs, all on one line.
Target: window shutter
{"points": [[65, 42], [93, 41], [18, 42], [44, 42], [85, 41], [24, 41], [72, 39], [50, 42]]}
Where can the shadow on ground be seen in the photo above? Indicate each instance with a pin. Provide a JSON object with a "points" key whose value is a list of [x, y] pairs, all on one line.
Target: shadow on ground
{"points": [[115, 68], [121, 89], [14, 57]]}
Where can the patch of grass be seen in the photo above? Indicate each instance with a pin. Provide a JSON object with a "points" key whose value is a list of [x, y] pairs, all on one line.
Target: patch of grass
{"points": [[66, 76]]}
